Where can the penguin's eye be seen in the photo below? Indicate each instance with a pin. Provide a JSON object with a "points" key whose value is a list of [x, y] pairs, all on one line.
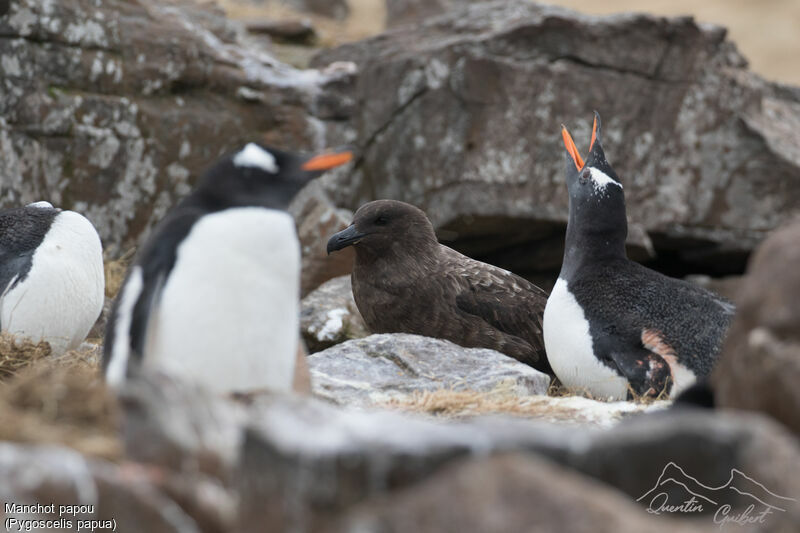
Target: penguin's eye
{"points": [[381, 221], [585, 176]]}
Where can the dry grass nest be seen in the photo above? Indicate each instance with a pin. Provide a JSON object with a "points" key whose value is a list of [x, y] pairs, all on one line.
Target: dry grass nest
{"points": [[16, 354], [559, 405], [56, 400], [115, 270]]}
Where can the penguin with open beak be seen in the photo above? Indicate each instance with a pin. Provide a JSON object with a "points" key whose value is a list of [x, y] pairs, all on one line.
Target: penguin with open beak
{"points": [[213, 295], [613, 327]]}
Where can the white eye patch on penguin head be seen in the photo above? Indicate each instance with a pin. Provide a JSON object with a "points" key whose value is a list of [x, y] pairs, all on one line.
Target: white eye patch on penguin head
{"points": [[597, 178], [254, 156]]}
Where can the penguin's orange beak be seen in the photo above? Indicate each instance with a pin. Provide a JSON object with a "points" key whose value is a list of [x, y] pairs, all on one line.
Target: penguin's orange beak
{"points": [[570, 144], [571, 148], [327, 160]]}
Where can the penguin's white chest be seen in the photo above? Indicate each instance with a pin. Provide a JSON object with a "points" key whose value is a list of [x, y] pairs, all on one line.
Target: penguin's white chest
{"points": [[228, 314], [62, 295], [569, 348]]}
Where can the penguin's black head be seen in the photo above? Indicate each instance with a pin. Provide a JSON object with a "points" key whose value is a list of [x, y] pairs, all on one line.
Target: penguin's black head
{"points": [[596, 197], [386, 226], [258, 175]]}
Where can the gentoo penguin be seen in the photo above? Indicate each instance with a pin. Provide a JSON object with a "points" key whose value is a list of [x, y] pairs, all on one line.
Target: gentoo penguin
{"points": [[611, 326], [51, 275], [405, 281], [212, 296]]}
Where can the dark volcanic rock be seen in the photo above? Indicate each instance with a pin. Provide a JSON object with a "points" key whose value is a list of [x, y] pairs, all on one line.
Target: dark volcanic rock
{"points": [[467, 128], [114, 108], [329, 315], [759, 368], [379, 368]]}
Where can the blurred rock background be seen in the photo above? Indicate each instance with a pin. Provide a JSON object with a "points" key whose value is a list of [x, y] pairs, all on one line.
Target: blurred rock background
{"points": [[114, 109]]}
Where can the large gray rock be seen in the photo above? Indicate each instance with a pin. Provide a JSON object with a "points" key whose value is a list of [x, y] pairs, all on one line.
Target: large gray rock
{"points": [[324, 460], [509, 493], [115, 497], [181, 427], [759, 368], [130, 497], [329, 315], [44, 474], [391, 366], [467, 128], [114, 108], [645, 452]]}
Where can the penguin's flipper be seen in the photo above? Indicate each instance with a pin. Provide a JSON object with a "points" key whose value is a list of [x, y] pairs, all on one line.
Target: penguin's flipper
{"points": [[21, 232], [126, 333], [10, 267]]}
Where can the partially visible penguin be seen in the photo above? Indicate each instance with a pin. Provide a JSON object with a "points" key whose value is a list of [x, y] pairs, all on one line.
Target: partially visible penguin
{"points": [[51, 275], [213, 295], [611, 326]]}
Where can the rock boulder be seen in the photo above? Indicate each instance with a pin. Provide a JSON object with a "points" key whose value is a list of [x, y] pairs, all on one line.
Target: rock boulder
{"points": [[509, 493], [325, 460], [467, 128], [759, 368], [383, 367], [329, 315], [114, 108]]}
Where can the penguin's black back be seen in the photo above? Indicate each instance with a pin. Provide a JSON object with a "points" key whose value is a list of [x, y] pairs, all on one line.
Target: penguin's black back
{"points": [[22, 230], [622, 299]]}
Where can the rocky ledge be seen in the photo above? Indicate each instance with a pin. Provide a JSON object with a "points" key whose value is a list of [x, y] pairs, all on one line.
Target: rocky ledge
{"points": [[466, 128], [194, 462]]}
